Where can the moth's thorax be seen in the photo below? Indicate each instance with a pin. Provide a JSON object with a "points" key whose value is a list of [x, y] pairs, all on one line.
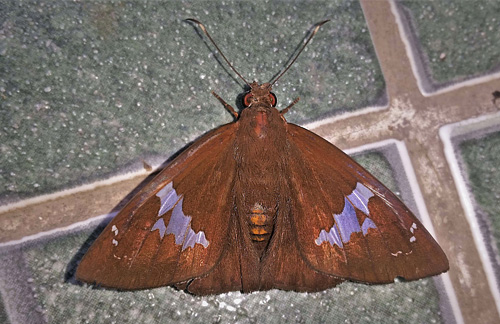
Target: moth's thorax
{"points": [[261, 122]]}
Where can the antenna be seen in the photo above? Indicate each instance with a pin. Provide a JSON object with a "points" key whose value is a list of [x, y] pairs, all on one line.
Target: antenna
{"points": [[315, 30], [217, 47]]}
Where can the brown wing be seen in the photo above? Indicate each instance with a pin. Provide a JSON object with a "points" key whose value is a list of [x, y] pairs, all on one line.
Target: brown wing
{"points": [[175, 228], [350, 225]]}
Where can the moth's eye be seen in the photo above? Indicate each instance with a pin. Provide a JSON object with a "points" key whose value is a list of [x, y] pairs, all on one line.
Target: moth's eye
{"points": [[272, 96], [247, 99]]}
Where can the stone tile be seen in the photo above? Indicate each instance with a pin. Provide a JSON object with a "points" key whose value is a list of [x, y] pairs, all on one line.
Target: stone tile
{"points": [[376, 163], [454, 39], [16, 286], [480, 157], [3, 314], [89, 89]]}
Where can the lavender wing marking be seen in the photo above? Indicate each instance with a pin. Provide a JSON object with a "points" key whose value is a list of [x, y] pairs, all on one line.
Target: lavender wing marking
{"points": [[368, 223], [359, 198], [347, 221], [159, 225], [178, 223], [168, 197], [332, 237], [192, 238]]}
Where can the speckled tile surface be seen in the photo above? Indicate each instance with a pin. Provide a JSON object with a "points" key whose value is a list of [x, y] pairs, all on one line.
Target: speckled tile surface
{"points": [[49, 267], [91, 88], [456, 37], [3, 314], [480, 161], [482, 158]]}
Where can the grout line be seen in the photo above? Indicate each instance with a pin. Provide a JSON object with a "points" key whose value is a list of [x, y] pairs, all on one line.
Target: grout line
{"points": [[424, 214], [347, 115], [63, 193], [60, 230], [453, 300], [416, 64], [370, 146], [447, 133]]}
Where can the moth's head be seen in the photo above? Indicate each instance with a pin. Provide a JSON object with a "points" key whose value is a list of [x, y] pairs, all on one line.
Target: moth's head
{"points": [[259, 96]]}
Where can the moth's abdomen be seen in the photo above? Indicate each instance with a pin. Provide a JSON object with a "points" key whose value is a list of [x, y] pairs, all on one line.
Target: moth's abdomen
{"points": [[260, 224]]}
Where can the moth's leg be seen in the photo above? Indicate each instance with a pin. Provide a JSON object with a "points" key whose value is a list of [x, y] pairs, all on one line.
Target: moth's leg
{"points": [[284, 111], [228, 106]]}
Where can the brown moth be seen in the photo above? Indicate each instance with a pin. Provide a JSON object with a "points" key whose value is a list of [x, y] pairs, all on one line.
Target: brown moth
{"points": [[259, 204]]}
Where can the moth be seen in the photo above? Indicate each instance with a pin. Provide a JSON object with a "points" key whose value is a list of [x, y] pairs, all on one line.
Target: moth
{"points": [[260, 204]]}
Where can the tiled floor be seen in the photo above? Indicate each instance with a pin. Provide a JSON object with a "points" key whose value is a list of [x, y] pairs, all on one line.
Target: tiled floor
{"points": [[90, 90]]}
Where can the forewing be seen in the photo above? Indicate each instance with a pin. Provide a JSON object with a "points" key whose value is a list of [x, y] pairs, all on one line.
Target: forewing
{"points": [[175, 228], [350, 225]]}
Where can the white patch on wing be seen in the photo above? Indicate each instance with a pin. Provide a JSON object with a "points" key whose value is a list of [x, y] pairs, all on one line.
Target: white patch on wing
{"points": [[168, 197], [412, 230], [368, 223], [346, 222], [160, 226], [333, 237], [114, 229], [192, 238], [179, 224], [115, 242], [359, 198]]}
